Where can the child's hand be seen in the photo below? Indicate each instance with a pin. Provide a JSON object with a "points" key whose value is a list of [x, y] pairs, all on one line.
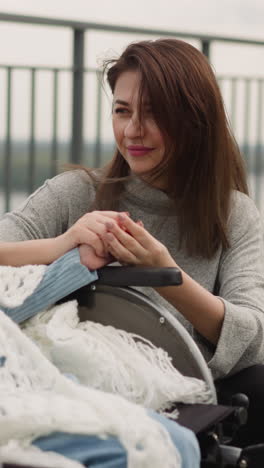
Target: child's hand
{"points": [[91, 260]]}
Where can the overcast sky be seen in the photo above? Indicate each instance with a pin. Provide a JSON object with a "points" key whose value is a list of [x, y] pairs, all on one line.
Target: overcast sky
{"points": [[52, 46], [240, 17]]}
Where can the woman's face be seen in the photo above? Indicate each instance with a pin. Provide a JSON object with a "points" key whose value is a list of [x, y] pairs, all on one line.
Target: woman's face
{"points": [[141, 144]]}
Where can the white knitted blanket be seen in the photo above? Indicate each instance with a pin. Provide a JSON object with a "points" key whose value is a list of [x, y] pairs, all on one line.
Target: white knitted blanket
{"points": [[118, 375]]}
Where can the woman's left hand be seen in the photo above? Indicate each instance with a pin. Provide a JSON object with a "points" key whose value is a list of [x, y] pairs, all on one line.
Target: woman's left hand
{"points": [[131, 244]]}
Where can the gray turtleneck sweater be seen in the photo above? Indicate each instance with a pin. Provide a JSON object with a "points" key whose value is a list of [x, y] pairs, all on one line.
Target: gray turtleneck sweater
{"points": [[236, 274]]}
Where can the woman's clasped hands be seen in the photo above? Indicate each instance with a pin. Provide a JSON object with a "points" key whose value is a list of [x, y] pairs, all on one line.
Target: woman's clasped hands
{"points": [[105, 236], [130, 243]]}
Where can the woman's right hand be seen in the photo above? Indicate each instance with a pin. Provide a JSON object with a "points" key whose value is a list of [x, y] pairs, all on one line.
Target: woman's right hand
{"points": [[92, 261], [90, 229]]}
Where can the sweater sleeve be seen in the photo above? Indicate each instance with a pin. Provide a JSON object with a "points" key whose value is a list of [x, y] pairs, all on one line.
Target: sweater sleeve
{"points": [[51, 209], [61, 278], [241, 288]]}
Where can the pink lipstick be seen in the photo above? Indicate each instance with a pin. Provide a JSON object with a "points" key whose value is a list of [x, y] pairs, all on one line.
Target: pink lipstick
{"points": [[138, 150]]}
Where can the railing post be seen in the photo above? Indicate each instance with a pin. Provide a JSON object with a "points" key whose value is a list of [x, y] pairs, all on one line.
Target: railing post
{"points": [[98, 149], [206, 47], [54, 144], [77, 97], [7, 163], [258, 149], [32, 142]]}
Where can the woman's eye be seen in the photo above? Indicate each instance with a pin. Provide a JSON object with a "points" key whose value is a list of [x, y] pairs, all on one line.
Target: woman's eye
{"points": [[120, 110]]}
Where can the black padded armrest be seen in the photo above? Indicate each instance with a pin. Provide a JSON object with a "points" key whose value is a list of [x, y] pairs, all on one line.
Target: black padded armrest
{"points": [[139, 276]]}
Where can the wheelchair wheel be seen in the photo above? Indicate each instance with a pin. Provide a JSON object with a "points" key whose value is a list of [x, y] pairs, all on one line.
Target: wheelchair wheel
{"points": [[132, 311]]}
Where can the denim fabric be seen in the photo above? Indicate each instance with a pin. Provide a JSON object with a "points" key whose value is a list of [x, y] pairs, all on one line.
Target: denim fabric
{"points": [[61, 278], [95, 452], [184, 440], [2, 361]]}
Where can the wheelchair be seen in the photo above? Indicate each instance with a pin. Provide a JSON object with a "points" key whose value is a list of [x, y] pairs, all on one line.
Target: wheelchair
{"points": [[112, 300]]}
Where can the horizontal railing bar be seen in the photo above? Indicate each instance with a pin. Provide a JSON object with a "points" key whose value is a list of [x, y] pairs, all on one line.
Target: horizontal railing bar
{"points": [[95, 70], [240, 77], [122, 29], [47, 68]]}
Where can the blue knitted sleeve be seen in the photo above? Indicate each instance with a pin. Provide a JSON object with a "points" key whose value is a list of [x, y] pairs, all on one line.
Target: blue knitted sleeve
{"points": [[61, 278]]}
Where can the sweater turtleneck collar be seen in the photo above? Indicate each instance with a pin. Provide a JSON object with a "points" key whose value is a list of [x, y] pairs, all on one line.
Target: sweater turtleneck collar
{"points": [[147, 196]]}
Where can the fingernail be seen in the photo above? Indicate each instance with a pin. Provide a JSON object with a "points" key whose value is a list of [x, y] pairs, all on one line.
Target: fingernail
{"points": [[121, 218], [126, 213], [109, 225], [140, 223]]}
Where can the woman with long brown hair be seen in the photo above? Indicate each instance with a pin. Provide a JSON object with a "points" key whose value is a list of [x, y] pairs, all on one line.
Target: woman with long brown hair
{"points": [[175, 194]]}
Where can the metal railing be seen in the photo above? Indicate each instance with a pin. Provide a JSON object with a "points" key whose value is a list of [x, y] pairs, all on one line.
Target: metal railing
{"points": [[78, 72]]}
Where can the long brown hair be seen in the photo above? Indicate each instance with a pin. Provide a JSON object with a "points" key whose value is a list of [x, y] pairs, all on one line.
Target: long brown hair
{"points": [[202, 161]]}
